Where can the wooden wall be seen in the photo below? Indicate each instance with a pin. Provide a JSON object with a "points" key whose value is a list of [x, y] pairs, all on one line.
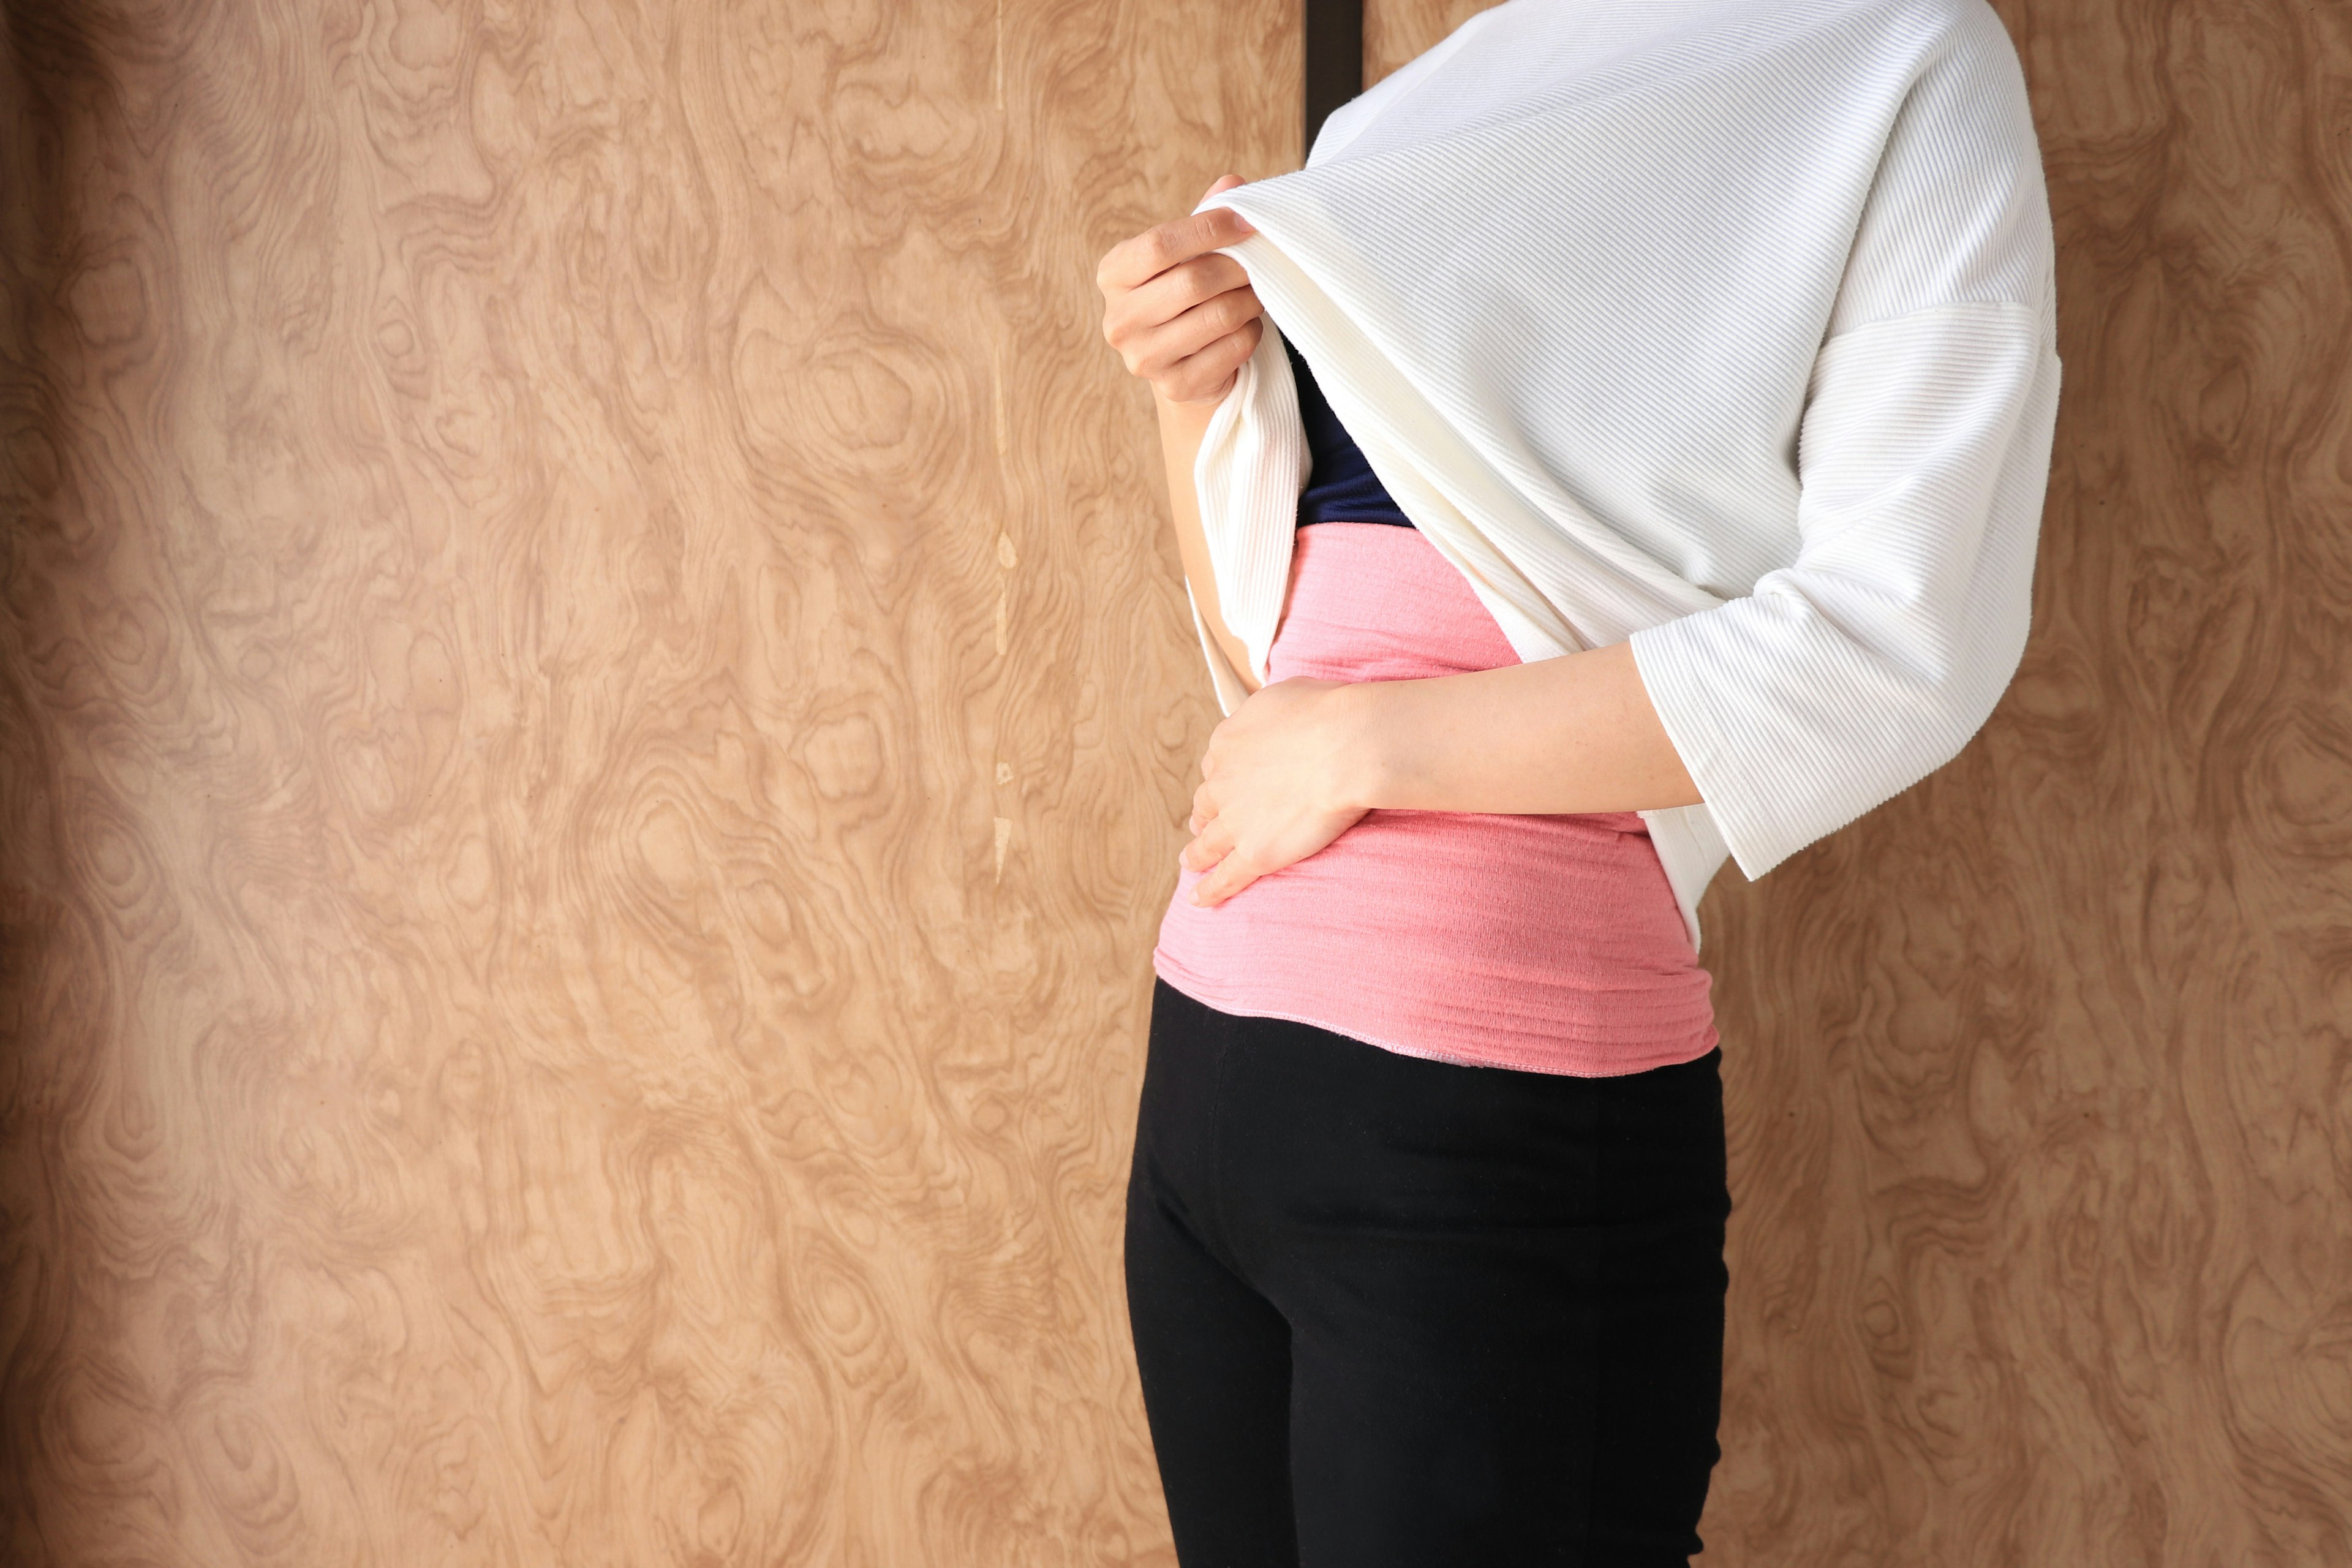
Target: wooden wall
{"points": [[594, 703], [597, 694]]}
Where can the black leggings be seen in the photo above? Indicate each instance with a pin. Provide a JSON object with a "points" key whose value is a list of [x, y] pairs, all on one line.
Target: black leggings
{"points": [[1397, 1311]]}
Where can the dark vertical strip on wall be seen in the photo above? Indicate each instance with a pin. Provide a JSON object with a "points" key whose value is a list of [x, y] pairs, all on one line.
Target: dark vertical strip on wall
{"points": [[1335, 59]]}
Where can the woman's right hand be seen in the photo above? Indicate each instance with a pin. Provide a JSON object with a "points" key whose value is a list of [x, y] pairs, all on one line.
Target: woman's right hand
{"points": [[1183, 317]]}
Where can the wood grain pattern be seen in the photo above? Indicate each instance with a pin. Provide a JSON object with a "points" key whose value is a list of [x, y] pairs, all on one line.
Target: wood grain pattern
{"points": [[595, 702]]}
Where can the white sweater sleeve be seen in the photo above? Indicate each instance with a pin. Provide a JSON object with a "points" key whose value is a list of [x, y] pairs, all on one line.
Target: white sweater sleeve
{"points": [[1849, 674]]}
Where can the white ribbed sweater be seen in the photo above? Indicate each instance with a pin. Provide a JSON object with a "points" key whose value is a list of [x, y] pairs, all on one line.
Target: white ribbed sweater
{"points": [[1725, 326]]}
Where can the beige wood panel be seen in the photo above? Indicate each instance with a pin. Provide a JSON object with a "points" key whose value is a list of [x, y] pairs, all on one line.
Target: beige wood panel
{"points": [[596, 705], [2040, 1075]]}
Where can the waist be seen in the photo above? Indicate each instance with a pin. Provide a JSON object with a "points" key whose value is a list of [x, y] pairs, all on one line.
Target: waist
{"points": [[1544, 941]]}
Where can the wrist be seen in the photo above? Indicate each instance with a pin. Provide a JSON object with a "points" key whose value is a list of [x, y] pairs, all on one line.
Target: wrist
{"points": [[1366, 776]]}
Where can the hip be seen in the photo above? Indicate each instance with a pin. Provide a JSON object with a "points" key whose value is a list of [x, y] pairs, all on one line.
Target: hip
{"points": [[1338, 1135]]}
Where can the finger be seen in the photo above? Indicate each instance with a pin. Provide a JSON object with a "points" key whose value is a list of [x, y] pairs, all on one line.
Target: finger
{"points": [[1231, 875], [1208, 375], [1204, 810], [1208, 846], [1153, 351], [1157, 301], [1153, 338], [1161, 247]]}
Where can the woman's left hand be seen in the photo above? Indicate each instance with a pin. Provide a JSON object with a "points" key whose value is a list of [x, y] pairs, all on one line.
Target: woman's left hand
{"points": [[1284, 775]]}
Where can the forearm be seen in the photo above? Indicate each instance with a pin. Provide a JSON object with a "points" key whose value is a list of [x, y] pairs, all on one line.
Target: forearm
{"points": [[1182, 427], [1576, 734]]}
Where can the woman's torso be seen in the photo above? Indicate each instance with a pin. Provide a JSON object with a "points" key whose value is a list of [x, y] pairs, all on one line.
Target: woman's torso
{"points": [[1550, 944]]}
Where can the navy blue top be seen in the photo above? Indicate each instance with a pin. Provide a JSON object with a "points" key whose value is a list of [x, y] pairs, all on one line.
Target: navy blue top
{"points": [[1342, 488]]}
